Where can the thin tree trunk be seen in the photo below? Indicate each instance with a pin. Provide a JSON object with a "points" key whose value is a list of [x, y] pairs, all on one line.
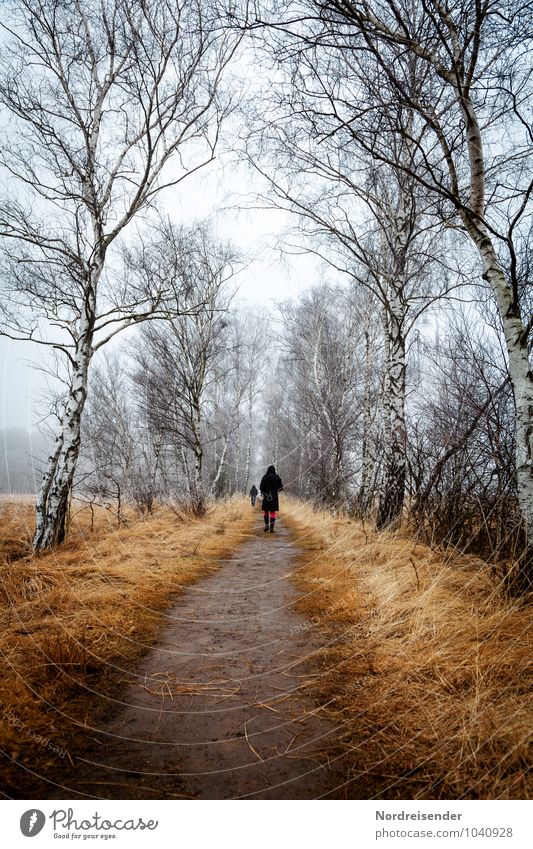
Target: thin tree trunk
{"points": [[299, 476], [309, 461], [392, 494], [186, 471], [236, 476], [199, 494], [199, 500], [220, 465], [249, 442], [339, 492], [276, 448], [364, 497], [386, 435], [119, 504]]}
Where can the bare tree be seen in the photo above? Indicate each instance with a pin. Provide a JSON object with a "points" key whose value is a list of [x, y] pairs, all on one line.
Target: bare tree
{"points": [[224, 407], [250, 343], [461, 470], [462, 70], [105, 105], [177, 359], [320, 341]]}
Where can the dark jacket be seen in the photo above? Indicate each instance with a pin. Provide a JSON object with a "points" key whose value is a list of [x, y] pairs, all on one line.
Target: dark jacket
{"points": [[253, 491], [270, 486]]}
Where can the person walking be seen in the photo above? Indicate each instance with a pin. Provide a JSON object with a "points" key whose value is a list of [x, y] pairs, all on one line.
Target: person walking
{"points": [[253, 494], [270, 485]]}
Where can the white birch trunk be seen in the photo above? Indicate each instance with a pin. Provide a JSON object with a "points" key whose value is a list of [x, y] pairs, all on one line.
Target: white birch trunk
{"points": [[220, 466], [364, 496], [236, 475], [186, 471], [386, 437], [198, 482], [307, 471], [54, 496], [339, 493], [393, 483], [248, 442], [300, 467], [46, 483], [199, 494], [393, 491]]}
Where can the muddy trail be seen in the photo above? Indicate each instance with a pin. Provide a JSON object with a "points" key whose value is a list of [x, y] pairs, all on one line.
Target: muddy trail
{"points": [[219, 708]]}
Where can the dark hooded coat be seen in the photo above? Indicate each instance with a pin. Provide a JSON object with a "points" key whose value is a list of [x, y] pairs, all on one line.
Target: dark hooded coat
{"points": [[270, 486], [253, 491]]}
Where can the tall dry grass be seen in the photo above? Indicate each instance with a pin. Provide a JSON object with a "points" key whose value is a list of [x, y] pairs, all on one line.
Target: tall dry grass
{"points": [[426, 665], [72, 620]]}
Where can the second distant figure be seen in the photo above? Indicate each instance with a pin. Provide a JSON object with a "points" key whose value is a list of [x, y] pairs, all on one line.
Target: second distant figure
{"points": [[270, 486], [253, 494]]}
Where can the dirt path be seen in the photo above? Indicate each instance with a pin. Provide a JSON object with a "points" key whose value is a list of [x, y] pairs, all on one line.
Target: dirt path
{"points": [[218, 709]]}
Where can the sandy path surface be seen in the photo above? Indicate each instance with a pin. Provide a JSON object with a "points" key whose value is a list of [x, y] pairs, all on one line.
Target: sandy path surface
{"points": [[218, 709]]}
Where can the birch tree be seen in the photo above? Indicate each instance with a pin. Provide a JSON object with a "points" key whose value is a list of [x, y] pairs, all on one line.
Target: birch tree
{"points": [[104, 106], [320, 343], [251, 332], [462, 68], [177, 360]]}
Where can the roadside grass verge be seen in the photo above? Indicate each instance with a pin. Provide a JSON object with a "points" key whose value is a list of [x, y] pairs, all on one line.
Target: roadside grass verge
{"points": [[426, 666], [72, 621]]}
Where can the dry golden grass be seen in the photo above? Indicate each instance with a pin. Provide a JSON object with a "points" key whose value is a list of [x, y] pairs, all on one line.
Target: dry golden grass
{"points": [[73, 619], [426, 664]]}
